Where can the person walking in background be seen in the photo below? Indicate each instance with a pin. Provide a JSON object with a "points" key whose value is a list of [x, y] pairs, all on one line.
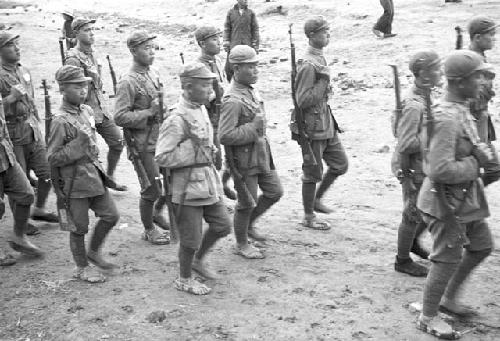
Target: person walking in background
{"points": [[383, 27]]}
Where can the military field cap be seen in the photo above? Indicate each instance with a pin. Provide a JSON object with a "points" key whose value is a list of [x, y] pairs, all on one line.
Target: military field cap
{"points": [[423, 60], [138, 37], [243, 54], [69, 74], [206, 32], [463, 63], [79, 22], [481, 25], [196, 70], [7, 37], [315, 24]]}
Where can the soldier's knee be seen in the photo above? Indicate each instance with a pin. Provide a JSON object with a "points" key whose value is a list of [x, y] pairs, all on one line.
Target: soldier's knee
{"points": [[25, 199], [116, 147], [112, 218]]}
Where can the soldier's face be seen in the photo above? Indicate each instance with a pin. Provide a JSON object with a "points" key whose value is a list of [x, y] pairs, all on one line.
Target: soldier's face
{"points": [[471, 85], [212, 45], [320, 39], [10, 52], [86, 34], [144, 54], [486, 41], [200, 90], [246, 73], [433, 75], [75, 93]]}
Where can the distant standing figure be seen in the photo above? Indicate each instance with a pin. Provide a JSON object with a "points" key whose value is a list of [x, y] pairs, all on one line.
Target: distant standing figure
{"points": [[383, 27], [240, 28], [67, 31]]}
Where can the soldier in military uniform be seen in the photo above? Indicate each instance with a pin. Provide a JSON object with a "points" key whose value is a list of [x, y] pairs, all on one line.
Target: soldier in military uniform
{"points": [[240, 28], [452, 196], [242, 128], [186, 147], [73, 153], [407, 159], [23, 122], [82, 55], [208, 39], [137, 111], [15, 184], [67, 31], [312, 90], [482, 36]]}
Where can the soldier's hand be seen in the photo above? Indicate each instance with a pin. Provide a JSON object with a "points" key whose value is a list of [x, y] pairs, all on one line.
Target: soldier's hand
{"points": [[258, 121], [17, 91], [154, 114], [482, 152]]}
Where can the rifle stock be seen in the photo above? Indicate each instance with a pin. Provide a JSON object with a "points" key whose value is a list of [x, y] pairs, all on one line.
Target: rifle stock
{"points": [[302, 138], [135, 158]]}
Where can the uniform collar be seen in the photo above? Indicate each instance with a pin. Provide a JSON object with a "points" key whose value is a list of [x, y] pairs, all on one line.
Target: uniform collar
{"points": [[70, 108], [136, 67], [85, 50], [205, 57], [11, 67], [315, 51], [240, 86], [420, 90]]}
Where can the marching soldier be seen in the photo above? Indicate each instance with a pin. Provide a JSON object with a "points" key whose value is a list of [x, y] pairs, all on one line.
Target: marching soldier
{"points": [[240, 28], [482, 37], [208, 39], [313, 89], [73, 154], [82, 55], [137, 110], [187, 148], [15, 184], [23, 122], [452, 196], [242, 130], [426, 67]]}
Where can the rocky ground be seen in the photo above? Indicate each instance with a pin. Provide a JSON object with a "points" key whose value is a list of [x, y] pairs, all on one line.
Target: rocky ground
{"points": [[338, 285]]}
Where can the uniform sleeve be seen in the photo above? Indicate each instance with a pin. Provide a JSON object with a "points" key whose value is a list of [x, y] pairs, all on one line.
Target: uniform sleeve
{"points": [[229, 131], [409, 127], [61, 154], [255, 32], [309, 91], [443, 165], [227, 27], [72, 60], [125, 116], [173, 150]]}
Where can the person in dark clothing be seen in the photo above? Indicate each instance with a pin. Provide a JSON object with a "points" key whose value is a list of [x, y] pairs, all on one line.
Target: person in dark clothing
{"points": [[383, 27], [240, 28]]}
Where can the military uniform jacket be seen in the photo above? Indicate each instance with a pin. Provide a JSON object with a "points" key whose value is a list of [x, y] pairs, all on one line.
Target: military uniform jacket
{"points": [[449, 161], [7, 156], [22, 117], [408, 133], [186, 147], [312, 96], [237, 129], [134, 93], [67, 153], [241, 28], [215, 65], [89, 64]]}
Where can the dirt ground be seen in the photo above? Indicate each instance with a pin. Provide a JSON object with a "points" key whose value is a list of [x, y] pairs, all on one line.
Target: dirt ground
{"points": [[338, 285]]}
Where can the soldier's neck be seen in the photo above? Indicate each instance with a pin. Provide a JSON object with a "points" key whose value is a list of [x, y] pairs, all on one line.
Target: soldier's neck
{"points": [[207, 55], [84, 47], [315, 49], [474, 47], [421, 84], [454, 95], [140, 66], [9, 65]]}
